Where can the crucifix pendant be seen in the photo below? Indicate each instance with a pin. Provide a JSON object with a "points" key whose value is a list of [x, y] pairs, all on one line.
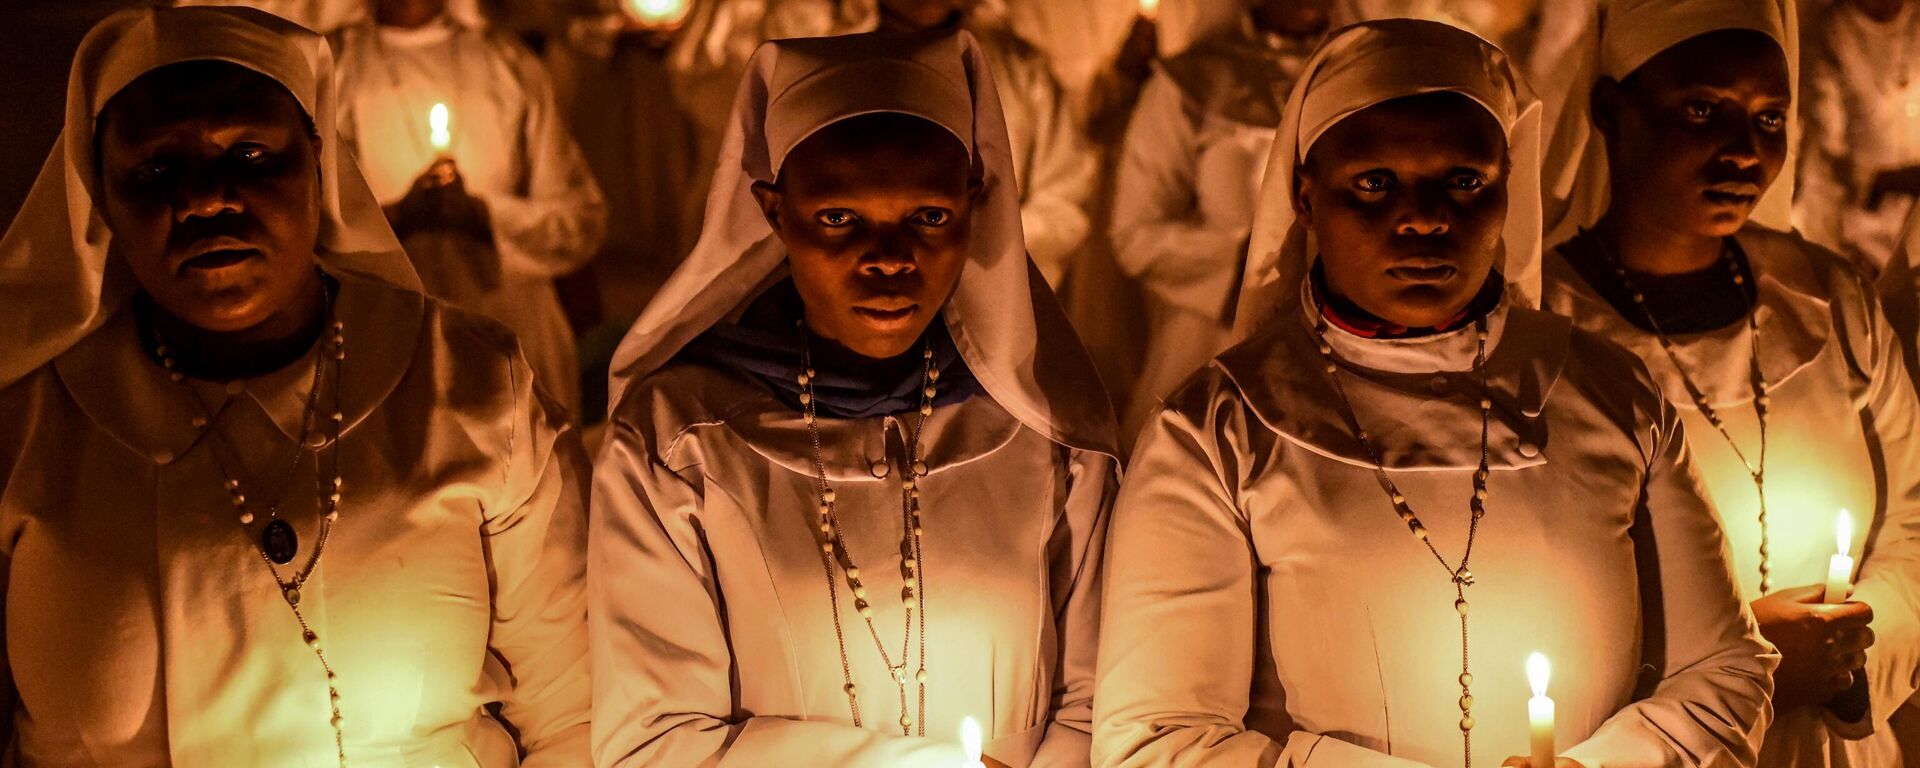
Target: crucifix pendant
{"points": [[279, 542]]}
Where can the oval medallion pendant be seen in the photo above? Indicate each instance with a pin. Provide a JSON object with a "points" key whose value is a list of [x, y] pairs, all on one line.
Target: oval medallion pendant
{"points": [[279, 542]]}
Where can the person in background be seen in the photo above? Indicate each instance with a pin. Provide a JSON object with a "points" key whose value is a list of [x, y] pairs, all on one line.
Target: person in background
{"points": [[1339, 543], [263, 503], [500, 202], [1186, 179], [1774, 350], [1860, 161]]}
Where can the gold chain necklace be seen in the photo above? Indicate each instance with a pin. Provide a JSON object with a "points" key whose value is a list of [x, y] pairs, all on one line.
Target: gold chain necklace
{"points": [[913, 594], [1755, 379], [277, 543], [1462, 576]]}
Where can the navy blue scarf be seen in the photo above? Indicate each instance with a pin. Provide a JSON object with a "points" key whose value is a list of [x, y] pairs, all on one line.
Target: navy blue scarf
{"points": [[766, 345]]}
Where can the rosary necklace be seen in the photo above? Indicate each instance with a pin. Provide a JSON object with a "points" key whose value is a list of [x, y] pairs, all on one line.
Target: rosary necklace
{"points": [[1462, 577], [277, 542], [1755, 378], [834, 552]]}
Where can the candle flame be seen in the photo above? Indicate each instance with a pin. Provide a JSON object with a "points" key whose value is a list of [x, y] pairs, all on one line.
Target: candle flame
{"points": [[1150, 8], [970, 739], [1537, 672], [437, 123], [1843, 533], [658, 13]]}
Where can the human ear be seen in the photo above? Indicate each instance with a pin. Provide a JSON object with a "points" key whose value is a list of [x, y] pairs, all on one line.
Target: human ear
{"points": [[769, 198], [1604, 106]]}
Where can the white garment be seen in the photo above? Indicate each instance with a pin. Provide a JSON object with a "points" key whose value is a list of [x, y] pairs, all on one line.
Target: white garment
{"points": [[514, 153], [1266, 607], [1184, 193], [706, 495], [1843, 432], [1862, 114]]}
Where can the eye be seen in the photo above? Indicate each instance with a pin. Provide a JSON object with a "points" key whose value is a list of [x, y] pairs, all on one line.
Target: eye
{"points": [[1772, 121], [933, 217], [836, 219], [249, 153], [1373, 184], [1698, 110], [151, 172], [1466, 182]]}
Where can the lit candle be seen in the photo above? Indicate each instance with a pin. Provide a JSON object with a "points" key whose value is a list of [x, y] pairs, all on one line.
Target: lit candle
{"points": [[1840, 568], [1150, 9], [1539, 712], [970, 742], [656, 14], [437, 126]]}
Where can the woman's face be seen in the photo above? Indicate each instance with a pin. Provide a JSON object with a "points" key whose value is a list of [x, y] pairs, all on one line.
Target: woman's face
{"points": [[210, 182], [1407, 200], [875, 213], [1695, 135]]}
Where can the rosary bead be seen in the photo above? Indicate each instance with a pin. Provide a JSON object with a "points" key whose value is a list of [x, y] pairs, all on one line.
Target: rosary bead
{"points": [[906, 721], [827, 496], [246, 518], [1466, 679], [909, 564], [853, 573], [920, 677], [313, 640], [1486, 403], [802, 378], [933, 374], [928, 392], [827, 548], [1461, 606], [920, 469], [866, 611], [199, 421], [860, 592], [176, 376], [806, 399], [926, 410], [239, 500], [1466, 702], [333, 515], [849, 688], [1466, 723], [826, 529]]}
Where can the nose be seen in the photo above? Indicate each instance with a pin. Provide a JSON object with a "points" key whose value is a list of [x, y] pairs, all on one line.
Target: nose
{"points": [[1740, 146], [202, 194], [891, 254], [1423, 212]]}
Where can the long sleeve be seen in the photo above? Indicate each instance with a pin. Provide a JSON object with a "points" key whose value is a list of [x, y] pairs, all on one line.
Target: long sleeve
{"points": [[1161, 237], [663, 668], [555, 223], [1889, 578], [1824, 185], [1078, 547], [1057, 179], [1180, 582], [535, 539], [1713, 700]]}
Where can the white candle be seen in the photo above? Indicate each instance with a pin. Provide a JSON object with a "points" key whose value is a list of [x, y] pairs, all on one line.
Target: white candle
{"points": [[970, 742], [437, 120], [1840, 568], [1150, 9], [1539, 713], [659, 14]]}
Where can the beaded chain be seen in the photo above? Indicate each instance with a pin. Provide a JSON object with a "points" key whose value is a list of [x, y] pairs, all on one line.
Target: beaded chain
{"points": [[833, 550], [267, 545], [1755, 378], [1461, 576]]}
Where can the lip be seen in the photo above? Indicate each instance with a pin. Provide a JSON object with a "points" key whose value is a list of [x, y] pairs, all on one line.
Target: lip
{"points": [[217, 253], [1732, 193], [1423, 273], [885, 317]]}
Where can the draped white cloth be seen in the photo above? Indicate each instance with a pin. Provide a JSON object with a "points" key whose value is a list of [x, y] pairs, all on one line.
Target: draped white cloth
{"points": [[545, 212], [1862, 93]]}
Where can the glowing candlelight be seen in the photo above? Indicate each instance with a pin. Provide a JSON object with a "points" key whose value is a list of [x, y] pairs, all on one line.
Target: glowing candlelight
{"points": [[1539, 712], [1840, 568], [437, 127], [657, 14], [970, 742], [1150, 9]]}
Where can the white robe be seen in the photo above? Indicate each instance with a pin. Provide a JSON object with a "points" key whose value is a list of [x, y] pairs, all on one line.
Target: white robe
{"points": [[514, 153], [1184, 193], [1862, 117], [1265, 606], [1843, 432], [712, 632], [143, 629]]}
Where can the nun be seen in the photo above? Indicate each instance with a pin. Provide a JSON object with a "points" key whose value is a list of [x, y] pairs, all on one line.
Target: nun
{"points": [[261, 501], [1775, 352], [856, 480], [463, 142], [1341, 542]]}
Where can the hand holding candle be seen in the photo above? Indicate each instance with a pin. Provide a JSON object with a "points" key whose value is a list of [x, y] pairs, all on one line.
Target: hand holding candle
{"points": [[1840, 567], [1539, 712]]}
